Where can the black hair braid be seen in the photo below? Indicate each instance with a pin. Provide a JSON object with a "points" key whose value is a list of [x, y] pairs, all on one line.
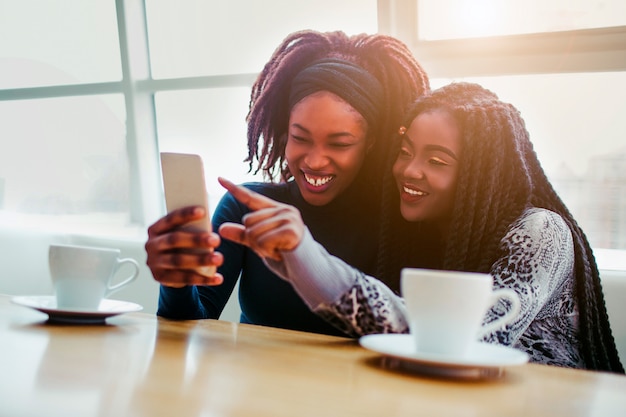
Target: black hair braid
{"points": [[389, 60], [479, 198], [491, 190], [509, 182], [390, 260], [392, 62], [461, 226], [598, 345], [596, 335]]}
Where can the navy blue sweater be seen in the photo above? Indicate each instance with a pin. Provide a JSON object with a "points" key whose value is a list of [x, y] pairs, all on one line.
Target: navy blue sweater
{"points": [[347, 228]]}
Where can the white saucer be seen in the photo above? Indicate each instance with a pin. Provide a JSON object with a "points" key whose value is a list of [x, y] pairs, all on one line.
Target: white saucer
{"points": [[48, 304], [484, 360]]}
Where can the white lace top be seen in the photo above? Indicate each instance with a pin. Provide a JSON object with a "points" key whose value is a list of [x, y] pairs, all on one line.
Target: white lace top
{"points": [[538, 265]]}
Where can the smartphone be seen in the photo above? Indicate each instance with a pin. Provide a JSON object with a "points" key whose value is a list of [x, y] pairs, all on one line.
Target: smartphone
{"points": [[184, 185]]}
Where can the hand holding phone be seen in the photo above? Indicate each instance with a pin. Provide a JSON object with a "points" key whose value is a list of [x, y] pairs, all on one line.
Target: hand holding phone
{"points": [[184, 185]]}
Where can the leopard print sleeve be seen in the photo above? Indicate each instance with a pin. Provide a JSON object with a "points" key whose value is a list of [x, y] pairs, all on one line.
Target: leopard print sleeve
{"points": [[538, 264], [368, 307]]}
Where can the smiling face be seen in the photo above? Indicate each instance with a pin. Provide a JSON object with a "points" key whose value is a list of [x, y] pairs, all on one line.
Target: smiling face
{"points": [[326, 146], [426, 169]]}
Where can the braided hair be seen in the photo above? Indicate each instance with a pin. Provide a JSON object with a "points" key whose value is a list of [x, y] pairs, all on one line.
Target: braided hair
{"points": [[500, 177], [386, 58]]}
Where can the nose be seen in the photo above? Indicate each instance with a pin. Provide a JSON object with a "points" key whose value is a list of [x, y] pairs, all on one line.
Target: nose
{"points": [[316, 158], [414, 170]]}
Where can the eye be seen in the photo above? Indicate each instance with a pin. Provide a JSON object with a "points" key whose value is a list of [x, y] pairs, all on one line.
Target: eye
{"points": [[299, 139], [341, 145], [438, 161], [404, 153]]}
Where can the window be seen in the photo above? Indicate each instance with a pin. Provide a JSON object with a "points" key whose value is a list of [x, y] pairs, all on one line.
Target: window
{"points": [[64, 155], [90, 92], [457, 19], [44, 43], [198, 37], [62, 113]]}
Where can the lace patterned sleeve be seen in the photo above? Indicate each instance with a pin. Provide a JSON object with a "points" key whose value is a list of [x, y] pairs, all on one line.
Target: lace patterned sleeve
{"points": [[538, 264], [368, 307]]}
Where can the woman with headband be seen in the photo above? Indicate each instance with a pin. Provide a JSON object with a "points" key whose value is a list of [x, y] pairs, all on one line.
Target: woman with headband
{"points": [[320, 115]]}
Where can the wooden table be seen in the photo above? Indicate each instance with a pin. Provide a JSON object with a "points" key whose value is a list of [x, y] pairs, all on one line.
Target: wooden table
{"points": [[139, 365]]}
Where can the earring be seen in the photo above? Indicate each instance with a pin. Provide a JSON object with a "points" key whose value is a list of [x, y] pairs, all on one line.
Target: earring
{"points": [[402, 130]]}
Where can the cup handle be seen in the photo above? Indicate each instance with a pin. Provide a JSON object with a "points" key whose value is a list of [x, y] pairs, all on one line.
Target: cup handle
{"points": [[510, 315], [120, 262]]}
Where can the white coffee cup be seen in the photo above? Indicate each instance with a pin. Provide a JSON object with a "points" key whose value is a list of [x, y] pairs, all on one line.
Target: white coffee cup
{"points": [[82, 276], [446, 308]]}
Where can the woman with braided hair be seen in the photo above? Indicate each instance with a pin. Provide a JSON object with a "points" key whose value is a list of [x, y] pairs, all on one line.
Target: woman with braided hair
{"points": [[465, 192], [320, 113]]}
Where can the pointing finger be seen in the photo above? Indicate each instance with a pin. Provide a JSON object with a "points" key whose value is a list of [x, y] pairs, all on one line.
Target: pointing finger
{"points": [[254, 201]]}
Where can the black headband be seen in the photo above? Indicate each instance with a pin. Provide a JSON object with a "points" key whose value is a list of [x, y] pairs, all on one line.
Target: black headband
{"points": [[349, 81]]}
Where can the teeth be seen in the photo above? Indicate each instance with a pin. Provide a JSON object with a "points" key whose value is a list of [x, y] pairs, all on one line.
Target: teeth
{"points": [[412, 192], [317, 182]]}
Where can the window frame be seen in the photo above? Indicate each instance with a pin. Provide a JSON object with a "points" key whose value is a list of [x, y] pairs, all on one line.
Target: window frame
{"points": [[586, 50]]}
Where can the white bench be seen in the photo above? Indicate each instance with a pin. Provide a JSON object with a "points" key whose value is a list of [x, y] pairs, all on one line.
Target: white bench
{"points": [[614, 287]]}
